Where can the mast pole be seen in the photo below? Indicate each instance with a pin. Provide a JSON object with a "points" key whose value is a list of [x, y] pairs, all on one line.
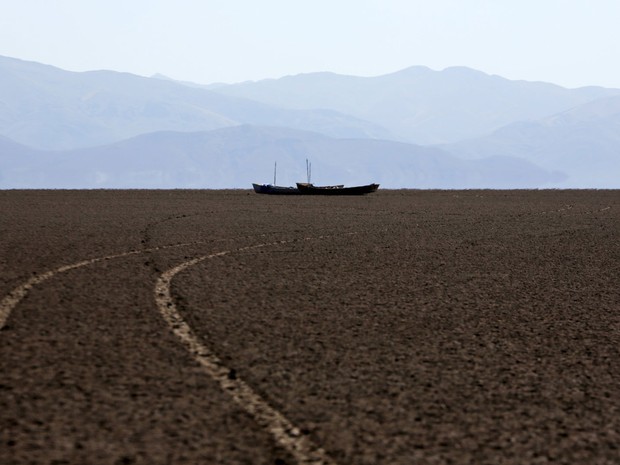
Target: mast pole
{"points": [[275, 167]]}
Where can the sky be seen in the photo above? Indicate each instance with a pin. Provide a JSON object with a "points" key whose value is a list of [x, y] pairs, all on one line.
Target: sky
{"points": [[572, 43]]}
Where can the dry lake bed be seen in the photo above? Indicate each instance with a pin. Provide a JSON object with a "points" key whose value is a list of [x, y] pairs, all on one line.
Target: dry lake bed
{"points": [[225, 327]]}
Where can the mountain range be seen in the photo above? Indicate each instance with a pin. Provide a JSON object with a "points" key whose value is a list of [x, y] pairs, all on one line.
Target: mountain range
{"points": [[232, 157], [49, 108], [417, 128], [583, 142], [420, 105]]}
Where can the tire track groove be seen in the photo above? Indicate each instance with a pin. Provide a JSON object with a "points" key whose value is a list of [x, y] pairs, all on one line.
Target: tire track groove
{"points": [[10, 301], [285, 433]]}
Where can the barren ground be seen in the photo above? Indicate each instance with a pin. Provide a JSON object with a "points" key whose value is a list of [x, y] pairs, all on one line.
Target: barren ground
{"points": [[403, 327]]}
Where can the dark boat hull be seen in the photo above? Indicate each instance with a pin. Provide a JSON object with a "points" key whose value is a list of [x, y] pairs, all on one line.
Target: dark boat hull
{"points": [[309, 189], [274, 190]]}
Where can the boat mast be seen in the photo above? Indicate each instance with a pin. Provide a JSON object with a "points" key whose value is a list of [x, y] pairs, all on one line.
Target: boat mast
{"points": [[308, 171]]}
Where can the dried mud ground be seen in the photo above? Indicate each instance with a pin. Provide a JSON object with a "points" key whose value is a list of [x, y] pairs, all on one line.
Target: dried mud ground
{"points": [[403, 327]]}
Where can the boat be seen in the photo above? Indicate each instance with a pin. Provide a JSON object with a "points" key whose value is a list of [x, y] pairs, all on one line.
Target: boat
{"points": [[275, 190], [306, 188]]}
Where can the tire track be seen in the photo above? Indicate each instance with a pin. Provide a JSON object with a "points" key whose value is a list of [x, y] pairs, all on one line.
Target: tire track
{"points": [[10, 301], [285, 433], [566, 208]]}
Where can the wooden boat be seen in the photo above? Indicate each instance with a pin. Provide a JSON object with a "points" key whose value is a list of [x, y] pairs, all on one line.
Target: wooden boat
{"points": [[305, 184], [275, 190], [306, 188]]}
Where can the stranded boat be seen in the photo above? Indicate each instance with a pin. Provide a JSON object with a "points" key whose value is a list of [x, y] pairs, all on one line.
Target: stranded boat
{"points": [[274, 190], [306, 188]]}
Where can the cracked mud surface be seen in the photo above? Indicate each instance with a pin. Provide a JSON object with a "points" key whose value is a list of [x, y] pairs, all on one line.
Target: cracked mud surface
{"points": [[404, 327]]}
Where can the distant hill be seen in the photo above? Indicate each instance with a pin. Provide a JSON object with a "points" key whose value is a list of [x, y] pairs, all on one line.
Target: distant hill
{"points": [[420, 105], [111, 129], [49, 108], [235, 157], [583, 142]]}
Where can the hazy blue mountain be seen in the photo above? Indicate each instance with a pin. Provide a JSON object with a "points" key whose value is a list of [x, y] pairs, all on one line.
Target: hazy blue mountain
{"points": [[188, 83], [583, 142], [237, 156], [420, 105], [164, 131], [49, 108]]}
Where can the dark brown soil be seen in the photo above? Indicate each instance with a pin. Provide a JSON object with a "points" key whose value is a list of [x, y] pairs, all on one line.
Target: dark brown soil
{"points": [[403, 327]]}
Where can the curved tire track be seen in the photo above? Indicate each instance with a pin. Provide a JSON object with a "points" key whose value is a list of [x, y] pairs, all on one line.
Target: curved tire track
{"points": [[8, 303], [285, 433], [282, 430]]}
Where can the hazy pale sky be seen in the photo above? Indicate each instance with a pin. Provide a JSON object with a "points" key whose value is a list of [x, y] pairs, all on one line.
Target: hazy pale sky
{"points": [[568, 42]]}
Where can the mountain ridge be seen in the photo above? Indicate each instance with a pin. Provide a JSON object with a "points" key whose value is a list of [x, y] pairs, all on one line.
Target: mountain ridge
{"points": [[98, 113], [421, 105], [50, 108], [583, 142], [234, 157]]}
